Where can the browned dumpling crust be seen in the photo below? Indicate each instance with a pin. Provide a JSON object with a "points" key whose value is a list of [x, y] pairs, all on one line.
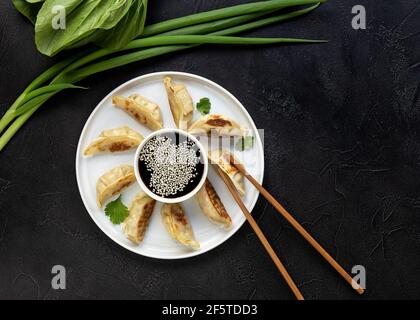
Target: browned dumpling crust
{"points": [[178, 225], [114, 140], [137, 222], [217, 124], [143, 110], [114, 182], [212, 206]]}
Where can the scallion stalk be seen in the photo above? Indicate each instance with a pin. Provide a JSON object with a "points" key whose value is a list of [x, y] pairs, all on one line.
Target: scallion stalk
{"points": [[47, 89], [214, 26], [222, 13], [165, 44], [191, 30], [149, 53], [40, 80], [202, 28], [40, 95], [72, 70], [15, 126]]}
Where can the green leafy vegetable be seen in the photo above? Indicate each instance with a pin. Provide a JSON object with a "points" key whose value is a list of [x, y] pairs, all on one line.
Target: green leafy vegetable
{"points": [[28, 8], [245, 143], [107, 23], [82, 18], [129, 27], [190, 31], [116, 211], [204, 106]]}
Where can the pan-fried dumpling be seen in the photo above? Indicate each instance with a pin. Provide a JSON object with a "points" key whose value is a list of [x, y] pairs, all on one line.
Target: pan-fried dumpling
{"points": [[114, 140], [180, 101], [114, 182], [143, 110], [226, 161], [212, 206], [217, 124], [140, 211], [177, 225]]}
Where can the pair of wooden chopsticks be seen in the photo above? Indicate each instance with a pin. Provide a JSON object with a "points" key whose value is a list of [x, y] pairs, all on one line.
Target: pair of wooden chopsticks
{"points": [[292, 221]]}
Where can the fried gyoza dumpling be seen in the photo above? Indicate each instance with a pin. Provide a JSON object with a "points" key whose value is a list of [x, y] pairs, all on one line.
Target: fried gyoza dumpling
{"points": [[180, 101], [226, 161], [177, 225], [217, 124], [144, 111], [114, 182], [140, 211], [212, 206], [114, 140]]}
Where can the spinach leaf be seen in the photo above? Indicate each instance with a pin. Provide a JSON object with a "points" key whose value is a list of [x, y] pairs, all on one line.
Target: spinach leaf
{"points": [[83, 19], [127, 29], [110, 24], [28, 8]]}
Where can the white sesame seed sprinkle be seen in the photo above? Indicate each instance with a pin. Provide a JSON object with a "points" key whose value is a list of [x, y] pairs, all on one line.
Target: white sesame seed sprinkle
{"points": [[172, 167]]}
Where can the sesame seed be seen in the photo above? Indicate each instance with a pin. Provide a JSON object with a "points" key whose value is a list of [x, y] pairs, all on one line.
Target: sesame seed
{"points": [[172, 166]]}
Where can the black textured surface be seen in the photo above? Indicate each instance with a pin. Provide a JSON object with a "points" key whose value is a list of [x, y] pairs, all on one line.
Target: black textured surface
{"points": [[342, 152]]}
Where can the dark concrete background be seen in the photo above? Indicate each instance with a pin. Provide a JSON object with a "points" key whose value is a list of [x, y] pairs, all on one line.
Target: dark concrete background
{"points": [[342, 147]]}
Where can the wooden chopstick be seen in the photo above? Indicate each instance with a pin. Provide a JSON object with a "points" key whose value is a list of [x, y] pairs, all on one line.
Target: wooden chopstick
{"points": [[300, 229], [261, 236]]}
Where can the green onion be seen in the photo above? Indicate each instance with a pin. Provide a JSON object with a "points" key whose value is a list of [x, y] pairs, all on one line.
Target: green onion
{"points": [[202, 28], [217, 25], [173, 35], [194, 39], [118, 61], [53, 71], [47, 89], [265, 22], [34, 102], [15, 126], [149, 53], [41, 95], [41, 79], [145, 54], [191, 30], [223, 13]]}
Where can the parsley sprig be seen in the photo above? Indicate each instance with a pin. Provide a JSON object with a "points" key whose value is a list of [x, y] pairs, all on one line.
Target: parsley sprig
{"points": [[116, 211], [204, 106]]}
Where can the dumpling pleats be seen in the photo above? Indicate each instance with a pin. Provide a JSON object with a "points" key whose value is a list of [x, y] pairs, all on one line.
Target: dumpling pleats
{"points": [[180, 101], [140, 212], [114, 182], [143, 110], [178, 226], [114, 140], [212, 206]]}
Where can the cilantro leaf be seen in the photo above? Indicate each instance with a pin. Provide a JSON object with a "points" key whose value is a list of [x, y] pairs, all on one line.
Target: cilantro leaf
{"points": [[116, 211], [245, 143], [204, 106]]}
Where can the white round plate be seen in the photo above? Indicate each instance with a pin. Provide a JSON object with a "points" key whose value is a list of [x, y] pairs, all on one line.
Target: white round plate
{"points": [[157, 243]]}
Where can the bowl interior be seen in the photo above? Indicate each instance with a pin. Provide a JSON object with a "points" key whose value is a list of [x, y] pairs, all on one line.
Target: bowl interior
{"points": [[203, 159]]}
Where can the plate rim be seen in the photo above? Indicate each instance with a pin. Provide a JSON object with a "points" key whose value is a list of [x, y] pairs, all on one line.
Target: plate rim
{"points": [[151, 75]]}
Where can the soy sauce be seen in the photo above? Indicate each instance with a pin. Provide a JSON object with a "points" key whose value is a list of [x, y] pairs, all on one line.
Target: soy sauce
{"points": [[171, 161]]}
